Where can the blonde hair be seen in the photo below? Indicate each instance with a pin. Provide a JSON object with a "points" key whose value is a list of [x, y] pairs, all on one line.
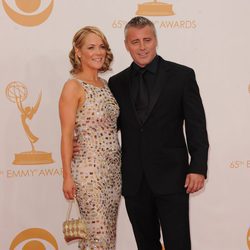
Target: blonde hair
{"points": [[77, 43]]}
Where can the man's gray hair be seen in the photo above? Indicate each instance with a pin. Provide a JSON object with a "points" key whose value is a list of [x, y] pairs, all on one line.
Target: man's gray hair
{"points": [[139, 22]]}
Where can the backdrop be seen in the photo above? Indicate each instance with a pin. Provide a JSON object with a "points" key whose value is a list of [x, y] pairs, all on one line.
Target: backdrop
{"points": [[213, 37]]}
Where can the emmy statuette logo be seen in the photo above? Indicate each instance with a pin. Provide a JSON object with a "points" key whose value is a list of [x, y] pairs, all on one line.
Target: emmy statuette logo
{"points": [[17, 92], [155, 8], [34, 238], [28, 7]]}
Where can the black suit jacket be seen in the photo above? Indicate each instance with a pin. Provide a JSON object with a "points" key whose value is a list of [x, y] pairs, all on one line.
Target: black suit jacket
{"points": [[157, 147]]}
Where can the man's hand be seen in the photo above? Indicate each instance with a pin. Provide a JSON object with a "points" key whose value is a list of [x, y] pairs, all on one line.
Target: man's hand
{"points": [[194, 182]]}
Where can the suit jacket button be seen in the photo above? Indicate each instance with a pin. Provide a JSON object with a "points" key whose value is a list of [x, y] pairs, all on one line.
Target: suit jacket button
{"points": [[141, 129]]}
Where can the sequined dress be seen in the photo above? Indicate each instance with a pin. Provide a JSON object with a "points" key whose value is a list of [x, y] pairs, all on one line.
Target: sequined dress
{"points": [[96, 169]]}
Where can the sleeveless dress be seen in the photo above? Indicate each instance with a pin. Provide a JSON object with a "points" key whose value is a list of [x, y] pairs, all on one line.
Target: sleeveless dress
{"points": [[96, 169]]}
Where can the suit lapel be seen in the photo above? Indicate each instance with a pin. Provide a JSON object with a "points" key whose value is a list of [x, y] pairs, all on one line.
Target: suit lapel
{"points": [[126, 90], [131, 94]]}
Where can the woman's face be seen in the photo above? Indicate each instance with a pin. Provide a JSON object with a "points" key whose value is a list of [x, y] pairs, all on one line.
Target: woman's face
{"points": [[93, 52]]}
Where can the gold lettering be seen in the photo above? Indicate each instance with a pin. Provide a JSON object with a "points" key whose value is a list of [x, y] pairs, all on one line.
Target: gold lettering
{"points": [[50, 172], [41, 173], [18, 173], [180, 24], [167, 24], [32, 172], [58, 172], [118, 24], [194, 24], [9, 173], [248, 164], [176, 24], [24, 173], [236, 164]]}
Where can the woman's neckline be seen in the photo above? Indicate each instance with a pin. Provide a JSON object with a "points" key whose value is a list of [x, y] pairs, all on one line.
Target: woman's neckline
{"points": [[91, 84]]}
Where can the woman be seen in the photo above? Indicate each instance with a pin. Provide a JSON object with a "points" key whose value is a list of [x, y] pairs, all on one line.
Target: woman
{"points": [[89, 111]]}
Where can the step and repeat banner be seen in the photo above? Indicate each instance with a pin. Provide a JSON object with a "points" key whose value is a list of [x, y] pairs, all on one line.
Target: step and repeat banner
{"points": [[213, 37]]}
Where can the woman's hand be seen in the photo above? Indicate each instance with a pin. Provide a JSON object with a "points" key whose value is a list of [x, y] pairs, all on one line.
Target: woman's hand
{"points": [[69, 188], [76, 147]]}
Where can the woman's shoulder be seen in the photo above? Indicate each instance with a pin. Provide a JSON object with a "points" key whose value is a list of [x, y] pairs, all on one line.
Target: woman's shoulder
{"points": [[72, 83], [72, 87]]}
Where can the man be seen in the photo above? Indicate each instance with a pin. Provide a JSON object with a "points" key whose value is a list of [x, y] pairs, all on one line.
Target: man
{"points": [[156, 98]]}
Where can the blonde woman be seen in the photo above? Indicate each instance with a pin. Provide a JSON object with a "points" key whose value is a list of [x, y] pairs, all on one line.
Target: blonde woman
{"points": [[89, 111]]}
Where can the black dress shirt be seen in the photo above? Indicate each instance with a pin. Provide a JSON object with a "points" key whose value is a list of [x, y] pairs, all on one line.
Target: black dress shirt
{"points": [[149, 77]]}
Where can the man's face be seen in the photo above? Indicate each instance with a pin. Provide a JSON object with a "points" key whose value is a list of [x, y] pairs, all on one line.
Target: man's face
{"points": [[141, 44]]}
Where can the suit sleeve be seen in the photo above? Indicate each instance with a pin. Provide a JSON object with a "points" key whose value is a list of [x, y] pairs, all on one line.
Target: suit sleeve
{"points": [[195, 126], [111, 87]]}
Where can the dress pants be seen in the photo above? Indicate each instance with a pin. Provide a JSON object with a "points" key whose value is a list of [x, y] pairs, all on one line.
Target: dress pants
{"points": [[148, 212]]}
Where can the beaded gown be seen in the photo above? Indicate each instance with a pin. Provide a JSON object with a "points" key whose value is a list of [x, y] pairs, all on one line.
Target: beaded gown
{"points": [[96, 169]]}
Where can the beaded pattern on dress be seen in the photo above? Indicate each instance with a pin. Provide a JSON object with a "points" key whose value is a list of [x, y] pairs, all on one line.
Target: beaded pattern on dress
{"points": [[96, 169]]}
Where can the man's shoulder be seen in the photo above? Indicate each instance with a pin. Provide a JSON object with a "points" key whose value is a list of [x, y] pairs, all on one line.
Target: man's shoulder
{"points": [[120, 74], [175, 66], [120, 78]]}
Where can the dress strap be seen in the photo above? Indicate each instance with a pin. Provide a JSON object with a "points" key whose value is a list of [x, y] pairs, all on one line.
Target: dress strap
{"points": [[105, 83]]}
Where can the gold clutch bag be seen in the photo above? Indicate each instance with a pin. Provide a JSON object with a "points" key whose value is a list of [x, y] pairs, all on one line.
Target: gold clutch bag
{"points": [[74, 229]]}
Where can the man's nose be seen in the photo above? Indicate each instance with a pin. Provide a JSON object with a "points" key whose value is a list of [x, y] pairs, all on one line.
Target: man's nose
{"points": [[142, 46]]}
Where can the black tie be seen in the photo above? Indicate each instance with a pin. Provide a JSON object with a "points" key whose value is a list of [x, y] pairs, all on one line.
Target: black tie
{"points": [[141, 102]]}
